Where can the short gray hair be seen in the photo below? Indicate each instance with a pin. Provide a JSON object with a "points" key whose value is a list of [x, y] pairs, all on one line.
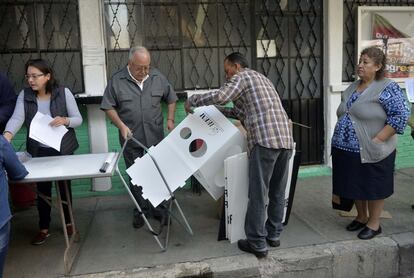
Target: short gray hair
{"points": [[135, 49]]}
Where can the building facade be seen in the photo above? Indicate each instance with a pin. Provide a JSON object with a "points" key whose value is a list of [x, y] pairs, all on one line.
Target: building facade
{"points": [[306, 47]]}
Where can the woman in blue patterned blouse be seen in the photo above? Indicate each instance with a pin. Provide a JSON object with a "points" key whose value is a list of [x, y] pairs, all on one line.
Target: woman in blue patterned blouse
{"points": [[372, 111]]}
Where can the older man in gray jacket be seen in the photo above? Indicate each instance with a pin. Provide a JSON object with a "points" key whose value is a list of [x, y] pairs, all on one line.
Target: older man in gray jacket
{"points": [[132, 100]]}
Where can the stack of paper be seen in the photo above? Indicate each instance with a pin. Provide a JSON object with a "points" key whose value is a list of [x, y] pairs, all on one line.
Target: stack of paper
{"points": [[42, 132]]}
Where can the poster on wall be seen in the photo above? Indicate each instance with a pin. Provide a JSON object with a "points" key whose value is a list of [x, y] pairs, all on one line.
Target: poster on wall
{"points": [[392, 30]]}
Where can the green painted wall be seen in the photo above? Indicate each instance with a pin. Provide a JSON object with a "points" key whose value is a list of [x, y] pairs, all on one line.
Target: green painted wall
{"points": [[81, 188]]}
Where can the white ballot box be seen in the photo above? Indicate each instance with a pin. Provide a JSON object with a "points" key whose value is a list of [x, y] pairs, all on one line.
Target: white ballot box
{"points": [[236, 169], [236, 197], [215, 138]]}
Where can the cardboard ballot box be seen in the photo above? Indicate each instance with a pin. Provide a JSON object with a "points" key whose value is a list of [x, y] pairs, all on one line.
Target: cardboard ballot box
{"points": [[217, 139], [237, 190]]}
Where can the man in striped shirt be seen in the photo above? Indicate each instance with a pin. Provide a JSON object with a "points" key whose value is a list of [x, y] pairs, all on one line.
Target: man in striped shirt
{"points": [[257, 105]]}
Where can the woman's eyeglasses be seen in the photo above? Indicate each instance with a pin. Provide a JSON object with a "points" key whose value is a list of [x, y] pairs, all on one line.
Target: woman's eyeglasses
{"points": [[34, 76]]}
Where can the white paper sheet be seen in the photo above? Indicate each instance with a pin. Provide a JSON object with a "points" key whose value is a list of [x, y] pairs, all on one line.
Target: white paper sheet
{"points": [[409, 87], [41, 131]]}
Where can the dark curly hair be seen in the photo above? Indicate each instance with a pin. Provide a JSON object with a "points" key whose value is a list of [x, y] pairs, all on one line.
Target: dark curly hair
{"points": [[45, 68], [378, 56]]}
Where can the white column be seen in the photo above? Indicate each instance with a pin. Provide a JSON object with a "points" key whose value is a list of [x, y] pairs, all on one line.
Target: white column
{"points": [[94, 73], [333, 30]]}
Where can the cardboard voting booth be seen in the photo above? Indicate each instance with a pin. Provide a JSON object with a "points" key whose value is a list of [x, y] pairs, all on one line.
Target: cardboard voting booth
{"points": [[217, 138], [236, 169], [236, 194]]}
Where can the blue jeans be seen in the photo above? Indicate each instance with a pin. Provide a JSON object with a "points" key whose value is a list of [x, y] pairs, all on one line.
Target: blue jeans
{"points": [[4, 245], [268, 173]]}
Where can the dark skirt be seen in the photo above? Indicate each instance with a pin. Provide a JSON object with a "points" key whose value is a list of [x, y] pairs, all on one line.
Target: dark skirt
{"points": [[354, 180]]}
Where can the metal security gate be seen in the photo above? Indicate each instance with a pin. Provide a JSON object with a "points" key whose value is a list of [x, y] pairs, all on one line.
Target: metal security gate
{"points": [[289, 51], [188, 41], [47, 29]]}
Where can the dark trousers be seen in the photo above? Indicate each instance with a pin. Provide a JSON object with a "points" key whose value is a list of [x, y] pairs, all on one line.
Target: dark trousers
{"points": [[46, 189], [268, 174], [4, 245], [130, 154]]}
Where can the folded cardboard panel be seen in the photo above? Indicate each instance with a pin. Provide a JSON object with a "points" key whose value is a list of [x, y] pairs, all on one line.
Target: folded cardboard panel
{"points": [[178, 161]]}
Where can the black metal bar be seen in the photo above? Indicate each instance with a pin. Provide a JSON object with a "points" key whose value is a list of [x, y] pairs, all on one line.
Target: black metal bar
{"points": [[20, 3], [253, 46], [181, 42], [39, 51], [36, 27]]}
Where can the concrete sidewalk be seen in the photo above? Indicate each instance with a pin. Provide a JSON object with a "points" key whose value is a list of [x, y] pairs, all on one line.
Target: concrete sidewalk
{"points": [[314, 243]]}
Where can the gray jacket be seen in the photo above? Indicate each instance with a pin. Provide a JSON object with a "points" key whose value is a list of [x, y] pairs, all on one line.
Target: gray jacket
{"points": [[368, 118], [139, 109]]}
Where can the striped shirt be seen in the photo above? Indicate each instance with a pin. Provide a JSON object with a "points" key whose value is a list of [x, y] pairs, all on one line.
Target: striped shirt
{"points": [[256, 104]]}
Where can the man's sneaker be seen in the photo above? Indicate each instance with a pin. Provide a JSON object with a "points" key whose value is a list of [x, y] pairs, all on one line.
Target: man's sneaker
{"points": [[273, 243], [40, 238], [244, 245]]}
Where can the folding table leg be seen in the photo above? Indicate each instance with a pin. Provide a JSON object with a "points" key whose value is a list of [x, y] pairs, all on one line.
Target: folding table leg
{"points": [[68, 202], [71, 249]]}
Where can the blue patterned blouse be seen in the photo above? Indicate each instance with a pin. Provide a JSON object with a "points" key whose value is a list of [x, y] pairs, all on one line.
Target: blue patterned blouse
{"points": [[392, 100]]}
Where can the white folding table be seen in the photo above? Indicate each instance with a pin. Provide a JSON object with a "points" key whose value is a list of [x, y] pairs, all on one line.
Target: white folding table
{"points": [[68, 167]]}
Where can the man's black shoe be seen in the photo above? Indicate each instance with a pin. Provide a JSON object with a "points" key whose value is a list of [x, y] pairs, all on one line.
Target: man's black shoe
{"points": [[137, 219], [273, 243], [244, 245], [138, 222]]}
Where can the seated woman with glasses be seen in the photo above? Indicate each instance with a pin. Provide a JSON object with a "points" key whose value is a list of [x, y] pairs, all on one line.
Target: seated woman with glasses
{"points": [[45, 96]]}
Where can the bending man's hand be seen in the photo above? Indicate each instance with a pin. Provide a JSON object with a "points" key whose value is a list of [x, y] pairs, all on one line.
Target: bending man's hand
{"points": [[188, 108]]}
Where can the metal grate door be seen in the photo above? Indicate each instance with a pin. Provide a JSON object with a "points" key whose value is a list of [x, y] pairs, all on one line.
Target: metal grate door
{"points": [[188, 41], [47, 29]]}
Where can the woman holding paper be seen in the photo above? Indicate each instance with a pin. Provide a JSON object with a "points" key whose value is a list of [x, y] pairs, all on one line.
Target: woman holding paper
{"points": [[46, 97]]}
